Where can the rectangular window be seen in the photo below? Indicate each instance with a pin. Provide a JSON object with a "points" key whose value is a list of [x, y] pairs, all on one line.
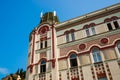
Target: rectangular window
{"points": [[45, 44], [67, 37], [93, 30], [109, 26], [43, 68], [87, 32], [73, 36], [73, 62], [116, 24], [41, 44]]}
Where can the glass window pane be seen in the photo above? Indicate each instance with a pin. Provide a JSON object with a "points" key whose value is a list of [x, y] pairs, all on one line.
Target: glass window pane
{"points": [[116, 24], [43, 66], [67, 37], [96, 55], [87, 32], [109, 26], [93, 30], [118, 46], [45, 44], [104, 78], [73, 60], [73, 36]]}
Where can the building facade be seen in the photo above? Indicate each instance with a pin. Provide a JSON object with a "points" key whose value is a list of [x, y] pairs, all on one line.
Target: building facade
{"points": [[83, 48]]}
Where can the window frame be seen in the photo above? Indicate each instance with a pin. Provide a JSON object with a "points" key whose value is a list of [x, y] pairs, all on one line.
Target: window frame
{"points": [[72, 36], [109, 26], [118, 47], [67, 37], [96, 55], [116, 24], [43, 66], [73, 60]]}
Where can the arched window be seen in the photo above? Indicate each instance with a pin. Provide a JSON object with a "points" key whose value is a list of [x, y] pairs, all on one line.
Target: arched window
{"points": [[118, 46], [73, 60], [67, 37], [93, 30], [116, 24], [96, 55], [43, 66], [73, 36]]}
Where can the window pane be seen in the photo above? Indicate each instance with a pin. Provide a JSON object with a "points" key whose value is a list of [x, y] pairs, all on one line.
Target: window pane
{"points": [[116, 24], [118, 46], [67, 37], [45, 44], [93, 30], [87, 32], [109, 26], [41, 45], [72, 56], [104, 78], [96, 55], [43, 66], [73, 60], [73, 36]]}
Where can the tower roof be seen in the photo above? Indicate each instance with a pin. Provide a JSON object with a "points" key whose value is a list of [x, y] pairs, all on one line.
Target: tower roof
{"points": [[49, 17]]}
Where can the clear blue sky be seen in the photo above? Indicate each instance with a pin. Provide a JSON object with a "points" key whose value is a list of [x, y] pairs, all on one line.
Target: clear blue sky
{"points": [[19, 17]]}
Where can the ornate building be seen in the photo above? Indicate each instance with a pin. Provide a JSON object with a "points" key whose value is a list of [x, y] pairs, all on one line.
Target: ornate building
{"points": [[83, 48]]}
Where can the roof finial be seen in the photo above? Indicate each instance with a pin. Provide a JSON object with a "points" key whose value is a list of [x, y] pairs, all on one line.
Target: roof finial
{"points": [[54, 13], [41, 15]]}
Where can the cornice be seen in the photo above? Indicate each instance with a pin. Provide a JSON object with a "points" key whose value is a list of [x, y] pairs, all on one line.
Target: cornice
{"points": [[89, 15]]}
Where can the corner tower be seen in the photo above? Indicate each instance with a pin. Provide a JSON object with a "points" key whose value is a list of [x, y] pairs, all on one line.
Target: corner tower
{"points": [[42, 49]]}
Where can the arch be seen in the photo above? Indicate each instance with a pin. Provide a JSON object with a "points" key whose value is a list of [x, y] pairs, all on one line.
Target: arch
{"points": [[67, 32], [72, 30], [116, 42], [42, 60], [114, 17], [43, 30], [71, 52], [92, 24], [86, 26], [107, 20], [94, 46]]}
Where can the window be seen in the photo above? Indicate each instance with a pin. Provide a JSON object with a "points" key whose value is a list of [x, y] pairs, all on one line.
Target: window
{"points": [[96, 55], [43, 66], [67, 37], [73, 60], [118, 46], [41, 44], [73, 36], [45, 43], [87, 32], [93, 30], [104, 78], [116, 24], [109, 26]]}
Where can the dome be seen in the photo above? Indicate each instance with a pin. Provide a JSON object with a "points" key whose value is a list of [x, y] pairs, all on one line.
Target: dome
{"points": [[49, 17]]}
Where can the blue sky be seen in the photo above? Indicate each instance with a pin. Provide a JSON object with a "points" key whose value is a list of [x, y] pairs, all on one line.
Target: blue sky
{"points": [[19, 17]]}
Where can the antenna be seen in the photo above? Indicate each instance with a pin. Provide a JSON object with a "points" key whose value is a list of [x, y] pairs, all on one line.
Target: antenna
{"points": [[41, 15], [54, 13]]}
